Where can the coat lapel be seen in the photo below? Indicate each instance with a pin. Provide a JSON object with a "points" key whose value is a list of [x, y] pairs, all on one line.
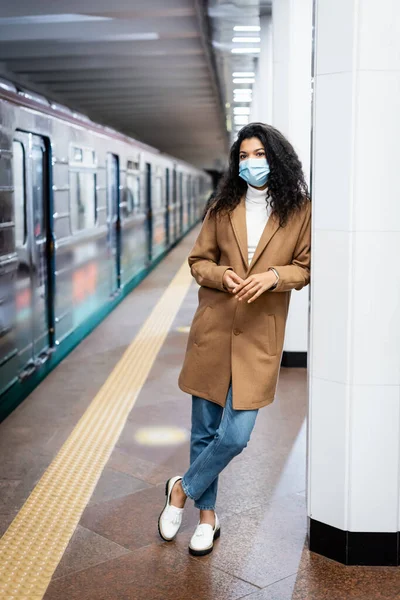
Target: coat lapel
{"points": [[238, 221]]}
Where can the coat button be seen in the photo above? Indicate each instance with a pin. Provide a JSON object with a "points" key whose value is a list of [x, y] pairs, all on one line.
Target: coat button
{"points": [[236, 331]]}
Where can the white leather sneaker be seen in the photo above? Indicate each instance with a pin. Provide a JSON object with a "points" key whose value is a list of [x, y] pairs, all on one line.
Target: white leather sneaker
{"points": [[170, 518], [202, 541]]}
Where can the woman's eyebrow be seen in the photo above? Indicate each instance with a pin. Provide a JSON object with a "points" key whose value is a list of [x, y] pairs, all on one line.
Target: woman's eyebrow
{"points": [[258, 150]]}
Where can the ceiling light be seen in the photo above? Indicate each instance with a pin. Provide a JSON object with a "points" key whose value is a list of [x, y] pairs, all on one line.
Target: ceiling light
{"points": [[245, 50], [243, 74], [241, 120], [54, 18], [127, 37], [247, 28], [241, 110], [244, 80], [242, 91], [246, 40], [242, 101], [121, 37]]}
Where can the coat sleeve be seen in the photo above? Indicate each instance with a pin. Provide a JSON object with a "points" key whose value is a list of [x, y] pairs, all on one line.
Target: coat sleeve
{"points": [[297, 274], [204, 256]]}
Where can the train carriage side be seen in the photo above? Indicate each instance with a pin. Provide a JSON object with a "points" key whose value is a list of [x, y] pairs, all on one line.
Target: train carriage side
{"points": [[83, 216]]}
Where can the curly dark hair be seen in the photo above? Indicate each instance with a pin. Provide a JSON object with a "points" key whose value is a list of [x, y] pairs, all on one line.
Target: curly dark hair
{"points": [[287, 188]]}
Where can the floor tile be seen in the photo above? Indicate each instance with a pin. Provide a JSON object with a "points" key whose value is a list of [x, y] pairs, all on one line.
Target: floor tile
{"points": [[5, 521], [26, 468], [7, 491], [113, 484], [131, 521], [141, 468], [328, 580], [262, 545], [152, 573], [85, 550], [281, 590]]}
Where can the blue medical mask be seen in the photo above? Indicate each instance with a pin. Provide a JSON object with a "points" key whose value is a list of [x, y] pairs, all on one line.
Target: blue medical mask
{"points": [[255, 171]]}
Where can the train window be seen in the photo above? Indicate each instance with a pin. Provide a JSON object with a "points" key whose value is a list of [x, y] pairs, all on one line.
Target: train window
{"points": [[83, 200], [19, 194], [181, 187], [131, 193], [38, 193], [77, 154], [158, 198], [188, 189], [133, 165], [83, 208], [131, 203], [83, 157]]}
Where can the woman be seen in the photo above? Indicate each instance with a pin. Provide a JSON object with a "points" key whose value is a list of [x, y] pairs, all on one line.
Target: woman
{"points": [[252, 250]]}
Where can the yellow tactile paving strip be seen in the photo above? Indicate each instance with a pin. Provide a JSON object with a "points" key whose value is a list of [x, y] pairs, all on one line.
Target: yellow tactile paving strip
{"points": [[32, 547]]}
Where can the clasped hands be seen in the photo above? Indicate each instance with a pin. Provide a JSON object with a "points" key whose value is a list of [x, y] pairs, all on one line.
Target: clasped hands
{"points": [[248, 289]]}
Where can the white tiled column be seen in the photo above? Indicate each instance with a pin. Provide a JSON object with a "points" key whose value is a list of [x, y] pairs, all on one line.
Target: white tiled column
{"points": [[292, 32], [354, 415]]}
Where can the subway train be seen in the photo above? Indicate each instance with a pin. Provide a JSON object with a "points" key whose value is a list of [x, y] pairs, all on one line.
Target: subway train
{"points": [[85, 212]]}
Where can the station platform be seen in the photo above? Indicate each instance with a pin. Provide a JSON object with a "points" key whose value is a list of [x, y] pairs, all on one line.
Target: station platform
{"points": [[85, 458]]}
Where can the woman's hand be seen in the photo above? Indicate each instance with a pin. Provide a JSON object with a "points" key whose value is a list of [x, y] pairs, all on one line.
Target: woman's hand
{"points": [[255, 285], [231, 280]]}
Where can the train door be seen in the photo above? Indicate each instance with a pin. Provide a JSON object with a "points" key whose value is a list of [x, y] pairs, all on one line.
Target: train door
{"points": [[181, 209], [168, 215], [175, 205], [32, 240], [189, 199], [114, 225], [149, 212]]}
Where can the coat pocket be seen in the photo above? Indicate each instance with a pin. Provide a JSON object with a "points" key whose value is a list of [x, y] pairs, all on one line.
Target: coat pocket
{"points": [[200, 324], [271, 345]]}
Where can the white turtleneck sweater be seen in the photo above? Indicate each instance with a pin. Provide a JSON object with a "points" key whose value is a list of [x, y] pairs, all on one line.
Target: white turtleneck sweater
{"points": [[257, 214]]}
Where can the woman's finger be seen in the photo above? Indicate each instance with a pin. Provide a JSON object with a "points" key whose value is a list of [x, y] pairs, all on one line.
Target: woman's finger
{"points": [[256, 295], [243, 284], [246, 292], [243, 289], [231, 280], [259, 289], [235, 276]]}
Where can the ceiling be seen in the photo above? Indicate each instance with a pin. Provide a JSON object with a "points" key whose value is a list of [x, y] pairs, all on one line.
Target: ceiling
{"points": [[235, 31], [144, 67]]}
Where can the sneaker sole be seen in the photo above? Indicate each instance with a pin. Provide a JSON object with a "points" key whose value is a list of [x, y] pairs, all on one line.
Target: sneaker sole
{"points": [[206, 550], [159, 518]]}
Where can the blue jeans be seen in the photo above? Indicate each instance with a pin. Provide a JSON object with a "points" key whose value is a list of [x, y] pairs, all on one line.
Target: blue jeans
{"points": [[218, 434]]}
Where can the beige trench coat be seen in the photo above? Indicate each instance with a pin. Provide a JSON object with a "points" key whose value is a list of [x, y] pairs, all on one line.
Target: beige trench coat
{"points": [[233, 339]]}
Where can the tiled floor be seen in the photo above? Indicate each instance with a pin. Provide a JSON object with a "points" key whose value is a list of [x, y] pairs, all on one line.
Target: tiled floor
{"points": [[116, 552]]}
